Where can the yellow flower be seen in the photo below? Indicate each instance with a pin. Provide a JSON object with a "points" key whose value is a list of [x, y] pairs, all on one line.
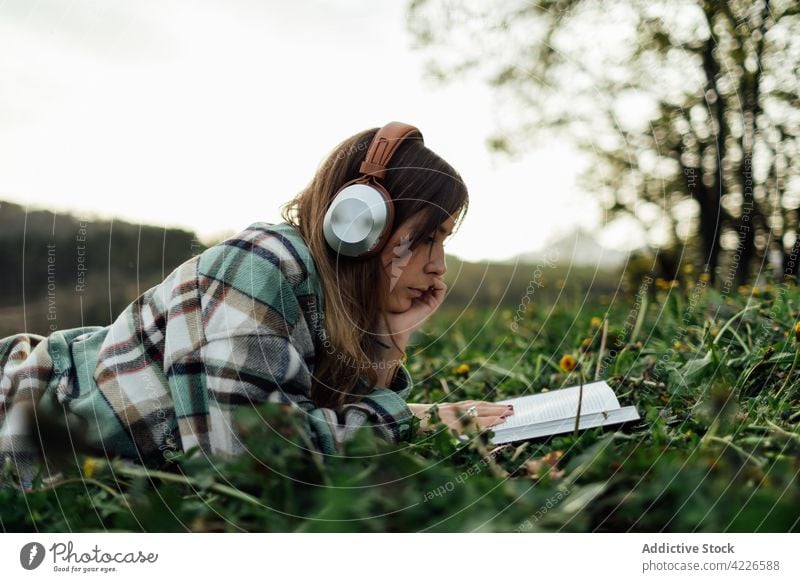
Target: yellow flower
{"points": [[677, 345], [797, 331], [688, 269], [705, 277], [596, 322], [89, 466], [586, 343], [567, 363], [462, 369], [552, 457]]}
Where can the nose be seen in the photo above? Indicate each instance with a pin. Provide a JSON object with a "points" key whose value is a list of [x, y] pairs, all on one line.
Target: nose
{"points": [[437, 264]]}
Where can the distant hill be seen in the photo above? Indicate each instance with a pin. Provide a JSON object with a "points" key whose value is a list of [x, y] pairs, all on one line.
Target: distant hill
{"points": [[578, 248], [61, 271], [504, 285]]}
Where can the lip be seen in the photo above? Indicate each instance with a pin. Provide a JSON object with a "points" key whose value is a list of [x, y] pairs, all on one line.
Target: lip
{"points": [[415, 292]]}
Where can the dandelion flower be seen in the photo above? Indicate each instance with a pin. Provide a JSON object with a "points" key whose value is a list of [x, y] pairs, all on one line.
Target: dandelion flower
{"points": [[567, 363], [797, 331], [552, 457], [89, 466], [596, 322], [462, 369]]}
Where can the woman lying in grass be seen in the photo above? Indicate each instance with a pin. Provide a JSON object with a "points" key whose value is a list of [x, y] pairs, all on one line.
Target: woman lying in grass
{"points": [[272, 314]]}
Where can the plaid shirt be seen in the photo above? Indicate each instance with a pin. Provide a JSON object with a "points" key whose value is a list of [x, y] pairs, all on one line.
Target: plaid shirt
{"points": [[240, 323]]}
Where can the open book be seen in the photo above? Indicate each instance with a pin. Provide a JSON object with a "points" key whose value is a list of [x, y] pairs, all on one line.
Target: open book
{"points": [[550, 413]]}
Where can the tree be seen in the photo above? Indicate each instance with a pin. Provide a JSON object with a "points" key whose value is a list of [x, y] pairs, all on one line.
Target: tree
{"points": [[712, 155]]}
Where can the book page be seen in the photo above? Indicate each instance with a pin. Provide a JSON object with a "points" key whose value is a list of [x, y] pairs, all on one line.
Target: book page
{"points": [[558, 404], [620, 415]]}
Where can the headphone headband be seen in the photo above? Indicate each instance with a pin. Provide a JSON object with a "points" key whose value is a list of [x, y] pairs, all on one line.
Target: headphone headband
{"points": [[383, 145]]}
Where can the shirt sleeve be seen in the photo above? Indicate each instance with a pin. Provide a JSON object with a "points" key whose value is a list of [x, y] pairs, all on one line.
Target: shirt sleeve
{"points": [[268, 368], [258, 348]]}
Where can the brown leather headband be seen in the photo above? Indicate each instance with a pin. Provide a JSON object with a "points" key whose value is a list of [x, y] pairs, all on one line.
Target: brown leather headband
{"points": [[383, 146]]}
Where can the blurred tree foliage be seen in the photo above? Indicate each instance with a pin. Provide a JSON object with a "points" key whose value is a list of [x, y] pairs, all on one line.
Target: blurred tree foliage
{"points": [[713, 156]]}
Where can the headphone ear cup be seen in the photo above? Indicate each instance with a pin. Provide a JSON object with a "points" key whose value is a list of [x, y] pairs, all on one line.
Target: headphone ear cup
{"points": [[359, 219]]}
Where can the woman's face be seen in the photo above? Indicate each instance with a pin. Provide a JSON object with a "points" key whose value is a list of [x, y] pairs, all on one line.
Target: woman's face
{"points": [[405, 270]]}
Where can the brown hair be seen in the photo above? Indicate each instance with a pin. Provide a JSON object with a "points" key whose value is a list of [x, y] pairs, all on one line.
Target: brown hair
{"points": [[419, 181]]}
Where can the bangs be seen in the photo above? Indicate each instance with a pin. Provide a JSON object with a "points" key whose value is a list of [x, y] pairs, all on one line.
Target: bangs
{"points": [[449, 199]]}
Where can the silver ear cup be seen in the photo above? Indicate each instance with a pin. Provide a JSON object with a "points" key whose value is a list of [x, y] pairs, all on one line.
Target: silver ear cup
{"points": [[355, 220]]}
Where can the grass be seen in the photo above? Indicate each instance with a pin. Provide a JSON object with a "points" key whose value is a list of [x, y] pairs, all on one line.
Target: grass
{"points": [[714, 377]]}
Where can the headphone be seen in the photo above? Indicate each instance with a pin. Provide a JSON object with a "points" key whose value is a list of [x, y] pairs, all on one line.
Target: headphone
{"points": [[359, 219]]}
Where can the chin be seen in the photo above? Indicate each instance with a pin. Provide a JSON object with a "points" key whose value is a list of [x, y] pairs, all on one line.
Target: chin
{"points": [[400, 305]]}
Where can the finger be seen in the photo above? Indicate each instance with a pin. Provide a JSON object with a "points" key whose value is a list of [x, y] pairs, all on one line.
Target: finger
{"points": [[494, 409], [488, 421], [438, 292], [435, 291], [428, 299]]}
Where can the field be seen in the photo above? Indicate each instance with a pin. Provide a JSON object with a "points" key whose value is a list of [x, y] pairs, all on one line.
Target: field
{"points": [[714, 376]]}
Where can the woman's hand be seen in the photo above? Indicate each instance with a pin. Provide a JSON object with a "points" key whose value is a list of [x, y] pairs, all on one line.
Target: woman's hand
{"points": [[404, 324], [453, 414]]}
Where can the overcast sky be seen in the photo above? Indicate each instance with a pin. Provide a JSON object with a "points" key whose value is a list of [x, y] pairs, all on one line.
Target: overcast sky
{"points": [[210, 115]]}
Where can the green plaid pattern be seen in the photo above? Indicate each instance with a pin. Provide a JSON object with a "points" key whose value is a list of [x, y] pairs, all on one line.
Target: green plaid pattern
{"points": [[239, 324]]}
